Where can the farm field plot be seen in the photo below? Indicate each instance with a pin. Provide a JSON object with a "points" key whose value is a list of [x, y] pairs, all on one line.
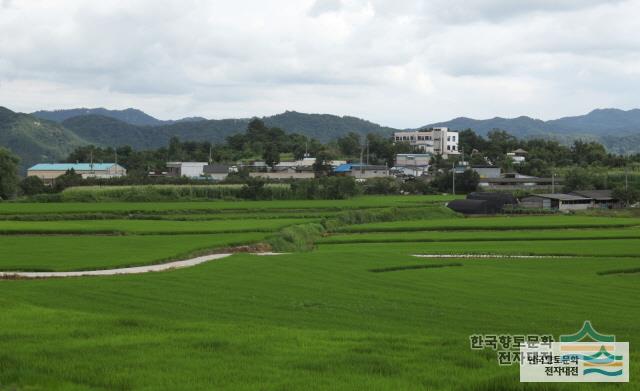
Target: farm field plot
{"points": [[316, 320], [146, 226], [213, 206], [355, 311], [67, 253], [600, 248], [496, 223], [485, 235]]}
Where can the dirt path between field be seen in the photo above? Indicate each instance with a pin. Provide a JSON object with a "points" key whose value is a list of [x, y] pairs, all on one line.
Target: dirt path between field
{"points": [[111, 272]]}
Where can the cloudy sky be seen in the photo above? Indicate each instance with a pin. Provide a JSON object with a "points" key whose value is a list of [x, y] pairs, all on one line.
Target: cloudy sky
{"points": [[401, 63]]}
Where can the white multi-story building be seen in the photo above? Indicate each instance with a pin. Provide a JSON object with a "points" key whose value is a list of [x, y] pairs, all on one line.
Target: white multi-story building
{"points": [[439, 141]]}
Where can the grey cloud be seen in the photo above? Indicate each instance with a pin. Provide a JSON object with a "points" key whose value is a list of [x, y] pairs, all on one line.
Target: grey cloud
{"points": [[384, 60], [320, 7]]}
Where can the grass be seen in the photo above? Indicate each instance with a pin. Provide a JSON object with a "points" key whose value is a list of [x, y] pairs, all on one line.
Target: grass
{"points": [[312, 320], [317, 319], [495, 223], [600, 248], [218, 205], [484, 235], [66, 253], [144, 226]]}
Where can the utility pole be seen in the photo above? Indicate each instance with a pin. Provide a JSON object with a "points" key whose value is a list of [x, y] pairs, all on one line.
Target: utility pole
{"points": [[453, 173], [626, 179], [210, 159], [367, 152], [361, 153], [553, 182]]}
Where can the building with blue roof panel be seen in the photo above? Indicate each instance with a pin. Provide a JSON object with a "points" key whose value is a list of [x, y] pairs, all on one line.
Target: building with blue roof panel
{"points": [[48, 172]]}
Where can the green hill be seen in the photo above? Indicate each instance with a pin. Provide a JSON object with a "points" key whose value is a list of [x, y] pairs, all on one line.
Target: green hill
{"points": [[35, 140]]}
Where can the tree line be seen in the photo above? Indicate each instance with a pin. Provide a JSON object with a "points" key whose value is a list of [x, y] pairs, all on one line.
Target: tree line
{"points": [[583, 160]]}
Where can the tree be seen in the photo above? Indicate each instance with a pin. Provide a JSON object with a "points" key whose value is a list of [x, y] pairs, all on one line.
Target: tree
{"points": [[321, 166], [350, 144], [32, 185], [271, 155], [627, 195], [477, 159], [8, 174], [68, 179], [465, 182], [581, 179], [588, 152]]}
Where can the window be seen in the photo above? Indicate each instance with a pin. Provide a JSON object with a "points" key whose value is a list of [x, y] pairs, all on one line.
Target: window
{"points": [[453, 138], [448, 147], [448, 138], [397, 138]]}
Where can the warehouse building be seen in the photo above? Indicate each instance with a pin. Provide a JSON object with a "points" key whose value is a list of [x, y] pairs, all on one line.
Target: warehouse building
{"points": [[601, 198], [48, 172], [556, 201]]}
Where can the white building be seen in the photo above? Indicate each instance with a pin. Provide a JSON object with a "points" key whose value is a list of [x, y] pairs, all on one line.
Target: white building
{"points": [[518, 156], [186, 169], [439, 141]]}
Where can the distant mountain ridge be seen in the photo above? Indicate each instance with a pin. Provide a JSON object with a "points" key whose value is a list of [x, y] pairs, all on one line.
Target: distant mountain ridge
{"points": [[608, 126], [130, 116]]}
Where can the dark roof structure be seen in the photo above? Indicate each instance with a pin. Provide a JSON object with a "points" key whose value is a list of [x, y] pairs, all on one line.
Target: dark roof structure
{"points": [[216, 169], [496, 201], [469, 207], [520, 180], [561, 197], [598, 195]]}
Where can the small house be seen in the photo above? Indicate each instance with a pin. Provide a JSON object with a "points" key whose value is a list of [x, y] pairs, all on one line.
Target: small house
{"points": [[362, 171], [218, 172]]}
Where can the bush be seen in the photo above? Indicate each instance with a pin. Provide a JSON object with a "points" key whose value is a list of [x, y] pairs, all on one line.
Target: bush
{"points": [[32, 185], [296, 238], [381, 186]]}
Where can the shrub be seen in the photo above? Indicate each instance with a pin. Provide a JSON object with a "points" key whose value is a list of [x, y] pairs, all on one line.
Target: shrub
{"points": [[296, 238], [381, 186]]}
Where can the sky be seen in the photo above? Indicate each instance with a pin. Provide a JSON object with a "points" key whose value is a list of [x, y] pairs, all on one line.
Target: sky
{"points": [[400, 63]]}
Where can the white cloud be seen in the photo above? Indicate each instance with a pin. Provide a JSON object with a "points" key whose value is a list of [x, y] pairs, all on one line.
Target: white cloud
{"points": [[403, 63]]}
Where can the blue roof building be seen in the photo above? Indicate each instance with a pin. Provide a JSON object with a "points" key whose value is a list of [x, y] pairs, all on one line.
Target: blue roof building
{"points": [[48, 172]]}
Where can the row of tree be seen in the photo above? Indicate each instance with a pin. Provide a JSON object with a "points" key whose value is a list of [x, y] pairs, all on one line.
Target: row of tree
{"points": [[543, 155]]}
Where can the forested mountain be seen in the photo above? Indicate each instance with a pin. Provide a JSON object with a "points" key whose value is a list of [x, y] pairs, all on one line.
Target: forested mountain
{"points": [[34, 139], [324, 127], [108, 131], [130, 116]]}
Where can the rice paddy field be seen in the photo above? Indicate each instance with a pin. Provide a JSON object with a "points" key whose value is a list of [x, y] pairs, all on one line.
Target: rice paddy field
{"points": [[354, 310]]}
